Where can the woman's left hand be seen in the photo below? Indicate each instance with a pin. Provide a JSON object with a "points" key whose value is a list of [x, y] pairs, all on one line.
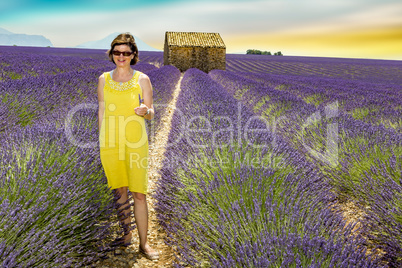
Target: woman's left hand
{"points": [[141, 110]]}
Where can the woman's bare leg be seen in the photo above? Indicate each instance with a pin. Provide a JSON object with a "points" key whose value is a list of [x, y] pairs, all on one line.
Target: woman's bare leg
{"points": [[124, 213], [141, 219]]}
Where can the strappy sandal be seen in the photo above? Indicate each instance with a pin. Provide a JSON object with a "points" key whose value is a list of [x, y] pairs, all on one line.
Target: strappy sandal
{"points": [[150, 256]]}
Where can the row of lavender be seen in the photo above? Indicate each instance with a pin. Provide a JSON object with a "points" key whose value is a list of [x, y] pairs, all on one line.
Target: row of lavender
{"points": [[36, 61], [362, 160], [234, 194], [55, 207], [351, 69], [377, 103], [366, 69]]}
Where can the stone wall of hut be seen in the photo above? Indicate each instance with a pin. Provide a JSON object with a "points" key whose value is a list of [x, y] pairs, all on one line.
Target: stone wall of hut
{"points": [[203, 58]]}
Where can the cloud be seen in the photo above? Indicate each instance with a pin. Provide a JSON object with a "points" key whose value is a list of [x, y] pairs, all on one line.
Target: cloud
{"points": [[387, 15]]}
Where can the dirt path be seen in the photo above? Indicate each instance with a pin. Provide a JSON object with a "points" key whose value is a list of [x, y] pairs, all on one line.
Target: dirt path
{"points": [[355, 215], [130, 256]]}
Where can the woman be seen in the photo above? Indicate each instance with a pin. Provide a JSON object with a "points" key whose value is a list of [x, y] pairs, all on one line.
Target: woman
{"points": [[125, 99]]}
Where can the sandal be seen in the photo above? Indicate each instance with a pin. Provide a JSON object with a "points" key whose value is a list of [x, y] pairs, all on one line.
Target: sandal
{"points": [[150, 256]]}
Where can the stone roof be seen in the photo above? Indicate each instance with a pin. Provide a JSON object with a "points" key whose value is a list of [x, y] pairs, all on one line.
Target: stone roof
{"points": [[194, 39]]}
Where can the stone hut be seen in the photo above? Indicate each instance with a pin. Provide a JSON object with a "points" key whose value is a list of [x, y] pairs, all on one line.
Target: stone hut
{"points": [[205, 51]]}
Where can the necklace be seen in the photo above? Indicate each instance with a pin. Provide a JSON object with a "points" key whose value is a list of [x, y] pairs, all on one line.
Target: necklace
{"points": [[123, 86]]}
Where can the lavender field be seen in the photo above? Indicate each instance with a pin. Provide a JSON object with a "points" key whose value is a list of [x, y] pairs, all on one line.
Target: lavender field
{"points": [[262, 163]]}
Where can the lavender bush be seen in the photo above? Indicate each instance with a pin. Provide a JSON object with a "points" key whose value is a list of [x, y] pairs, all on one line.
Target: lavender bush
{"points": [[55, 205]]}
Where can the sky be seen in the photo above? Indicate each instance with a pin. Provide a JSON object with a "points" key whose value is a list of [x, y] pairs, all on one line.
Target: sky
{"points": [[323, 28]]}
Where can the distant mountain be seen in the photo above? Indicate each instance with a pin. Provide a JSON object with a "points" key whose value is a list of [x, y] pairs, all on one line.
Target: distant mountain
{"points": [[8, 38], [4, 31], [105, 43]]}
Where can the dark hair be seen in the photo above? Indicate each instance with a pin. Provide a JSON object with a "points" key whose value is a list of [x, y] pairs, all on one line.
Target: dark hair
{"points": [[124, 39]]}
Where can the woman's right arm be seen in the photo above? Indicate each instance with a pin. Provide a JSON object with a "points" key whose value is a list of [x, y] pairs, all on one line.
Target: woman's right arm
{"points": [[101, 101]]}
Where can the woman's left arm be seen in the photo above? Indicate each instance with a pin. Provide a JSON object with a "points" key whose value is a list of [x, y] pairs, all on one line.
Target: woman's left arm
{"points": [[147, 105]]}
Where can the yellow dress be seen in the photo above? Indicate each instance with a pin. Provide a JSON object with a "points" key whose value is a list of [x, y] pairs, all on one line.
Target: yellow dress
{"points": [[123, 138]]}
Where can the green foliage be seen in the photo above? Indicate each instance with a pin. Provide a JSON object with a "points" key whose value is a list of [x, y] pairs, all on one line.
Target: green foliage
{"points": [[26, 111], [259, 52], [360, 159], [361, 113], [14, 76]]}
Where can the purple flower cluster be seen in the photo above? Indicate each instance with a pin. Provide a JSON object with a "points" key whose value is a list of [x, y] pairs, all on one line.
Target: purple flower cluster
{"points": [[221, 210]]}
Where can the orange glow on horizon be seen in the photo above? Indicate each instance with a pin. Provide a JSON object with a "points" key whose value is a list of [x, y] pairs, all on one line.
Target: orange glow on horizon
{"points": [[380, 43]]}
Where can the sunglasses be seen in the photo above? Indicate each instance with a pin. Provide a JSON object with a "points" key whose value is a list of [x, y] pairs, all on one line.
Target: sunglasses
{"points": [[125, 53]]}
